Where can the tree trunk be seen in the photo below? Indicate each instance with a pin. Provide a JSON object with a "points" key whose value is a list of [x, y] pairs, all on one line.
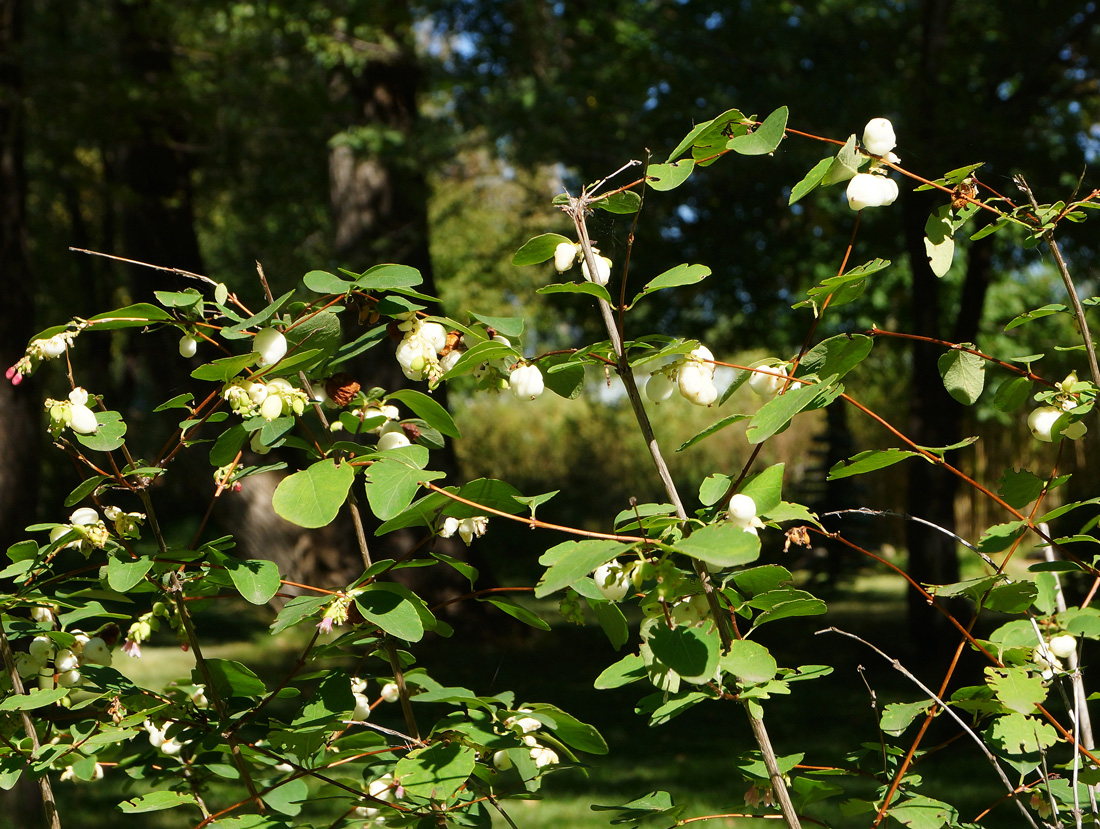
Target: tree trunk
{"points": [[935, 419], [22, 419]]}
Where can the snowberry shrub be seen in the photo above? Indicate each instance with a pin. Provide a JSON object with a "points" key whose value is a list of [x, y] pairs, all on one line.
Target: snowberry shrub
{"points": [[88, 592]]}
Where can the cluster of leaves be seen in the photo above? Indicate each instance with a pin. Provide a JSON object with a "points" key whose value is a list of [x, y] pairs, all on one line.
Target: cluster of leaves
{"points": [[696, 579]]}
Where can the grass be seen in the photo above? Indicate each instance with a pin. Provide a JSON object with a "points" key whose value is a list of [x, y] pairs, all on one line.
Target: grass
{"points": [[693, 757]]}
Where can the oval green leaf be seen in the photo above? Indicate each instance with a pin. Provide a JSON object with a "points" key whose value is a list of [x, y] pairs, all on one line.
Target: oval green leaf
{"points": [[312, 498]]}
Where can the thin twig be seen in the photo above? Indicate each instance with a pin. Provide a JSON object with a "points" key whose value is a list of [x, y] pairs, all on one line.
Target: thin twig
{"points": [[950, 712], [575, 210], [1048, 237]]}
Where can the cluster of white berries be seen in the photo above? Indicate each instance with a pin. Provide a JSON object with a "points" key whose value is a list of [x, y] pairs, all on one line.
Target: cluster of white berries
{"points": [[526, 727], [693, 376], [92, 532], [418, 351], [50, 664], [1041, 420], [270, 400], [384, 789], [389, 693], [1049, 656], [875, 188], [41, 350], [467, 528], [568, 253], [159, 739], [766, 384], [72, 413]]}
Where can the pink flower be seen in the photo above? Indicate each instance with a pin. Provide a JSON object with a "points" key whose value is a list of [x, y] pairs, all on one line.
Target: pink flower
{"points": [[325, 625], [132, 649]]}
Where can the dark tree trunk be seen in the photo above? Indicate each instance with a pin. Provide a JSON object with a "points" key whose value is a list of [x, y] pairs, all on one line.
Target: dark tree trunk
{"points": [[22, 419], [935, 419], [154, 163]]}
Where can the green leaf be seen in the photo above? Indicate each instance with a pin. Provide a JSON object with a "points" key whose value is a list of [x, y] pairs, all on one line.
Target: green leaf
{"points": [[761, 579], [749, 661], [539, 249], [516, 612], [132, 316], [669, 176], [287, 798], [691, 652], [392, 484], [569, 729], [1016, 688], [323, 282], [482, 352], [721, 544], [919, 812], [765, 488], [963, 374], [485, 492], [313, 497], [810, 181], [765, 138], [381, 277], [713, 488], [180, 401], [1038, 313], [1012, 598], [562, 375], [231, 679], [428, 409], [837, 355], [805, 606], [572, 560], [238, 331], [709, 130], [898, 716], [674, 277], [938, 244], [845, 164], [86, 488], [124, 571], [393, 608], [436, 772], [156, 802], [1019, 488], [1001, 536], [777, 413], [1012, 394], [110, 435], [511, 327], [714, 428], [257, 580], [612, 621], [37, 698], [624, 202], [630, 668], [653, 811], [590, 288], [221, 370], [320, 331], [1019, 734]]}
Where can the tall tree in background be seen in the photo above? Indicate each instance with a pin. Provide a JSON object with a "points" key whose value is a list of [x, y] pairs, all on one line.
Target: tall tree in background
{"points": [[20, 436]]}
